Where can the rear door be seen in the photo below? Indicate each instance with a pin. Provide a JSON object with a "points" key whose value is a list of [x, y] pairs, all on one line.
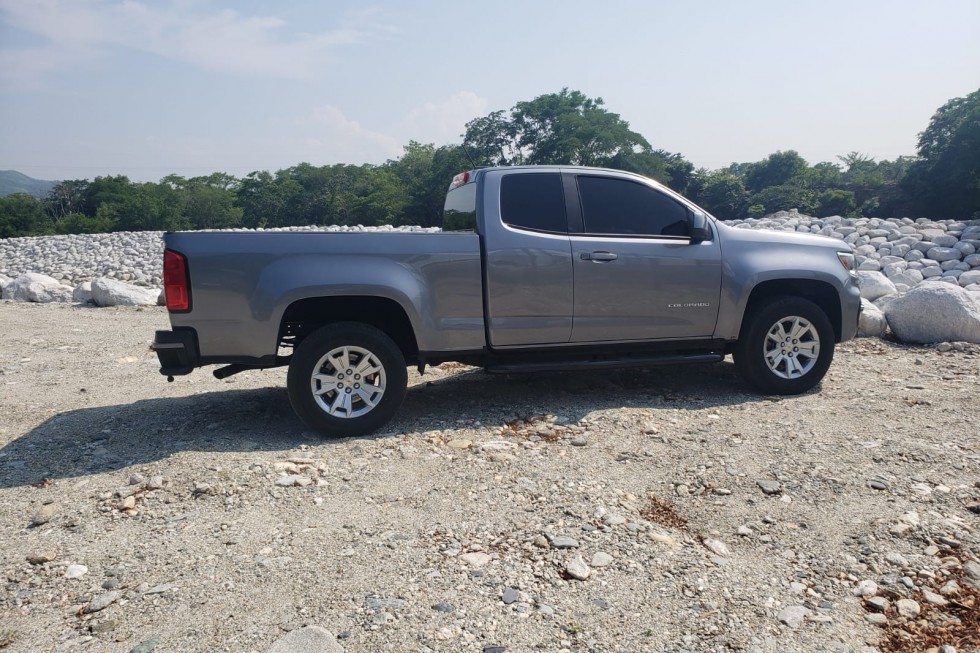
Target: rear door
{"points": [[637, 274], [528, 271]]}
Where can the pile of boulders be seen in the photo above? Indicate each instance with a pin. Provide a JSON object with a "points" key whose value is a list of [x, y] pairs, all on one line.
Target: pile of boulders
{"points": [[920, 279], [906, 251], [35, 287], [932, 311]]}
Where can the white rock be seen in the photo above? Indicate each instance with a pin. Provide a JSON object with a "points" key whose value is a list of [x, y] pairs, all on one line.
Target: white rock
{"points": [[109, 292], [34, 287], [933, 598], [872, 322], [76, 571], [875, 285], [83, 293], [866, 588], [970, 277], [944, 254], [309, 639], [475, 558], [935, 312], [496, 445], [793, 615], [907, 608], [910, 278], [577, 569], [717, 547]]}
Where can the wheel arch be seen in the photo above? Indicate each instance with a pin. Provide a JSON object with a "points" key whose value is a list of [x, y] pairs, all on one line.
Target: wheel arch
{"points": [[304, 316], [819, 292]]}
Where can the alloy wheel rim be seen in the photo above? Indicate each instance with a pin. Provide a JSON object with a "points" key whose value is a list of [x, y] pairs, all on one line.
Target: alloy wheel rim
{"points": [[348, 382], [792, 347]]}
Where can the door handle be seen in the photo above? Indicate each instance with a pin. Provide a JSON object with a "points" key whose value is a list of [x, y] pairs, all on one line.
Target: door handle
{"points": [[599, 256]]}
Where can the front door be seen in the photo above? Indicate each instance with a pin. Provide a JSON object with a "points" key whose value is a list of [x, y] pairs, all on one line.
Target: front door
{"points": [[637, 274]]}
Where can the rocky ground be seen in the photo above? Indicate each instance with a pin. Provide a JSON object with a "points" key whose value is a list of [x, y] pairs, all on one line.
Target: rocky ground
{"points": [[660, 510]]}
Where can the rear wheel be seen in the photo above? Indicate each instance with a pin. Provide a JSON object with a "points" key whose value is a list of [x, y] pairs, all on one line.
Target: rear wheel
{"points": [[347, 379], [785, 347]]}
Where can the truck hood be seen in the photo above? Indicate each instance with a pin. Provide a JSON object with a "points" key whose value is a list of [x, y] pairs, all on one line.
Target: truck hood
{"points": [[730, 234]]}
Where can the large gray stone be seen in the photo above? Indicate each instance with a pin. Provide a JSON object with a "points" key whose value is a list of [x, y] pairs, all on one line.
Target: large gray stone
{"points": [[34, 287], [935, 312], [908, 278], [311, 639], [944, 254], [109, 292], [83, 293], [945, 241], [872, 323], [968, 278], [875, 285]]}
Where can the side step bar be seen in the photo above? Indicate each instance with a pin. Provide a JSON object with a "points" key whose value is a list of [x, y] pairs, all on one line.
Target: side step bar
{"points": [[604, 364]]}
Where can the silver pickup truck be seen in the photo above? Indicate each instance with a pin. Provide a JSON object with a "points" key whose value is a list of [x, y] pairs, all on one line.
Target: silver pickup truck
{"points": [[538, 268]]}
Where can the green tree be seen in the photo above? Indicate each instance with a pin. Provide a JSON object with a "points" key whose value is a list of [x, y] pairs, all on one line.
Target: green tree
{"points": [[146, 207], [265, 199], [22, 215], [206, 202], [775, 170], [79, 223], [945, 180], [493, 140], [824, 176], [835, 201], [558, 128], [785, 197], [721, 193], [425, 172], [106, 190], [66, 198]]}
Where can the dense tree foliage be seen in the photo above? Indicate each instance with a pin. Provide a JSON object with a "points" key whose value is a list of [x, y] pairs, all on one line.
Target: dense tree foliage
{"points": [[559, 128], [946, 176]]}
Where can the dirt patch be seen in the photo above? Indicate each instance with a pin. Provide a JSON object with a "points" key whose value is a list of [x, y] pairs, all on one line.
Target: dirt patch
{"points": [[203, 515]]}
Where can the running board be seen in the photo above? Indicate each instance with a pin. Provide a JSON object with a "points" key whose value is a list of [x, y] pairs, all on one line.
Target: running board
{"points": [[604, 364]]}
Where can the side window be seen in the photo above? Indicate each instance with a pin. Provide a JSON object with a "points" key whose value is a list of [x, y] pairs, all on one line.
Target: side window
{"points": [[533, 201], [619, 206]]}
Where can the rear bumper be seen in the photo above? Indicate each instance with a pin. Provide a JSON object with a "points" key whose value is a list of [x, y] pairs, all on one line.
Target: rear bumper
{"points": [[177, 351]]}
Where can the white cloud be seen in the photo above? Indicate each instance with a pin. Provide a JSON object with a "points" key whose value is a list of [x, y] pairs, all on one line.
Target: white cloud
{"points": [[444, 121], [182, 30], [332, 137]]}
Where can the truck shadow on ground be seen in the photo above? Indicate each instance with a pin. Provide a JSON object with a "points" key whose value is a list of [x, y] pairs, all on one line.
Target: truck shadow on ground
{"points": [[104, 439]]}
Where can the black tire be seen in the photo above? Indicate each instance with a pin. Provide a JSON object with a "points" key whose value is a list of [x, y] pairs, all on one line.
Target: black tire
{"points": [[385, 379], [782, 366]]}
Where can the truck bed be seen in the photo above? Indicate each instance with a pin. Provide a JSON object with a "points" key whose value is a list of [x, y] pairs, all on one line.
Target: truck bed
{"points": [[242, 284]]}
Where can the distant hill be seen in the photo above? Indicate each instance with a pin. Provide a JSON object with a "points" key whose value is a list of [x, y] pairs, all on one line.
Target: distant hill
{"points": [[12, 182]]}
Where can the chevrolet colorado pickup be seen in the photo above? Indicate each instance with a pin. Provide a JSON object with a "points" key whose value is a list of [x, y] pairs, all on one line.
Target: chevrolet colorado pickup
{"points": [[537, 268]]}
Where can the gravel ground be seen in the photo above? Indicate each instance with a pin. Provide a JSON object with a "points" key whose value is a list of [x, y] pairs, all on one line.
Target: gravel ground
{"points": [[201, 516]]}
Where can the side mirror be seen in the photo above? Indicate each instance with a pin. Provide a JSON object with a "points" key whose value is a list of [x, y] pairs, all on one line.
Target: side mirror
{"points": [[700, 229]]}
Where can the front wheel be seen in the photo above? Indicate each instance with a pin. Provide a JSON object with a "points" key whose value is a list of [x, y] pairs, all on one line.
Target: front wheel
{"points": [[785, 346], [347, 379]]}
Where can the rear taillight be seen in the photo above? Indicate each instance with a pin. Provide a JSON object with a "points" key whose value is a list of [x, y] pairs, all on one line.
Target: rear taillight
{"points": [[461, 179], [176, 285]]}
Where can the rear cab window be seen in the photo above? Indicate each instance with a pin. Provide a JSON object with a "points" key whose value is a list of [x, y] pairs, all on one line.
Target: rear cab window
{"points": [[459, 212], [533, 201]]}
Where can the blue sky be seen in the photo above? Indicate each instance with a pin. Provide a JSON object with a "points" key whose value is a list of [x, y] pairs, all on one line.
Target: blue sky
{"points": [[152, 87]]}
